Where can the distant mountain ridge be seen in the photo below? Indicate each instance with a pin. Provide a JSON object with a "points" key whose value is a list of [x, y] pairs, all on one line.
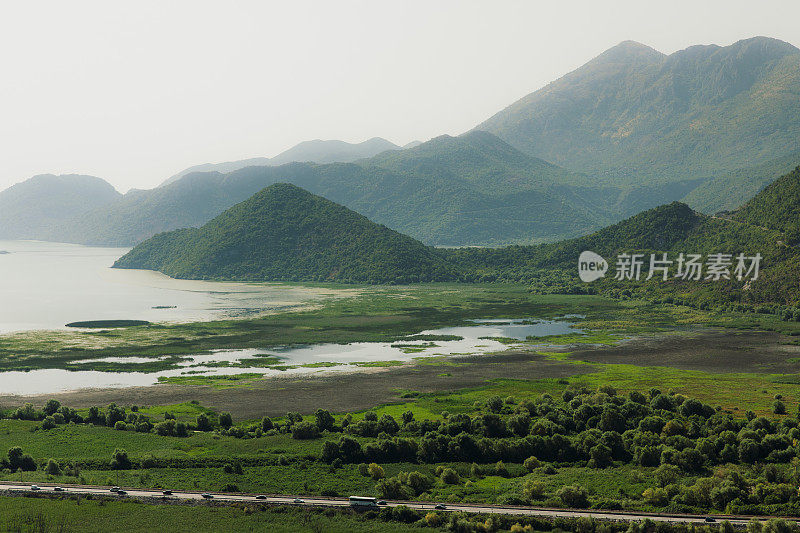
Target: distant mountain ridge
{"points": [[633, 114], [316, 151], [28, 210]]}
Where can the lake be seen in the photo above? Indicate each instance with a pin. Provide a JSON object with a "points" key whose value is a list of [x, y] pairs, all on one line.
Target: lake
{"points": [[296, 360], [46, 285]]}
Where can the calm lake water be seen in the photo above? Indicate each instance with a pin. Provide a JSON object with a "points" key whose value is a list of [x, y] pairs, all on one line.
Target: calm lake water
{"points": [[45, 285], [345, 357]]}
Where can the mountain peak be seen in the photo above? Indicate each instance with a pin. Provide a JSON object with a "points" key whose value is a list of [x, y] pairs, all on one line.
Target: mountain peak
{"points": [[629, 51]]}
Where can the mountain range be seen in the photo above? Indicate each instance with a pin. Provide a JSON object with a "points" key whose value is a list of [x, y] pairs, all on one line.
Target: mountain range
{"points": [[286, 233], [316, 151], [633, 114], [632, 129]]}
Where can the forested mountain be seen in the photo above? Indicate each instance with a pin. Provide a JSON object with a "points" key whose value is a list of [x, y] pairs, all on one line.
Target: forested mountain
{"points": [[29, 209], [316, 151], [230, 247], [469, 190], [635, 115], [286, 233], [776, 207], [732, 189]]}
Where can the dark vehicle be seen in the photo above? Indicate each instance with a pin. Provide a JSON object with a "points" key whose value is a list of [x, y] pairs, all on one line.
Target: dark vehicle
{"points": [[710, 519], [207, 496], [381, 502], [261, 497], [58, 489], [114, 489], [166, 492], [121, 492], [298, 500], [440, 506], [35, 487]]}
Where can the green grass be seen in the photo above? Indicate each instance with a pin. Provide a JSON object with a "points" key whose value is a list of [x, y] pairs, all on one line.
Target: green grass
{"points": [[105, 515]]}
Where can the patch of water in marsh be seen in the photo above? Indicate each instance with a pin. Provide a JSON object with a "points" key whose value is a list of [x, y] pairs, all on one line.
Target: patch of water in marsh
{"points": [[471, 339]]}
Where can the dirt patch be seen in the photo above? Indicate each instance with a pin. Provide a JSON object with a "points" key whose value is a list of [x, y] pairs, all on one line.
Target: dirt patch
{"points": [[715, 351], [336, 392]]}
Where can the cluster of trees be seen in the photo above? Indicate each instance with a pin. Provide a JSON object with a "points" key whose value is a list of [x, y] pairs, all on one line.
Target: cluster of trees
{"points": [[592, 428]]}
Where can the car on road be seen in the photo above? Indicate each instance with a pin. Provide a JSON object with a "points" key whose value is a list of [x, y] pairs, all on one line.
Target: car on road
{"points": [[35, 487], [166, 492], [440, 506], [298, 500], [121, 492], [207, 496], [381, 502], [58, 489], [261, 497], [710, 519], [113, 489]]}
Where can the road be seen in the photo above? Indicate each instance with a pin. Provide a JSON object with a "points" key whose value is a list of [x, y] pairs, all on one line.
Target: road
{"points": [[310, 501]]}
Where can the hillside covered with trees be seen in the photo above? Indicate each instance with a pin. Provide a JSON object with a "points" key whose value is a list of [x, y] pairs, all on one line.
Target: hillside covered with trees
{"points": [[286, 233]]}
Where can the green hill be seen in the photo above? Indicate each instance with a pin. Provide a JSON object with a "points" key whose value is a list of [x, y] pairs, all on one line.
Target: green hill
{"points": [[30, 209], [776, 207], [633, 114], [450, 191], [286, 233], [731, 190]]}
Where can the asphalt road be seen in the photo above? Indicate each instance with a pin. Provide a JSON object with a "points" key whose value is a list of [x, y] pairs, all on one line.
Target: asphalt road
{"points": [[18, 489]]}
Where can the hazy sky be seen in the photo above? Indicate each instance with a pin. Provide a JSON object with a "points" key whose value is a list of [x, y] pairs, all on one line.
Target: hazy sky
{"points": [[135, 91]]}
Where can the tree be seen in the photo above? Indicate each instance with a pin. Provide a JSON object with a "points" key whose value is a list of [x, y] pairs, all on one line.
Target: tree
{"points": [[387, 424], [449, 476], [324, 420], [305, 430], [52, 468], [531, 463], [533, 489], [225, 420], [120, 460], [779, 408], [51, 407], [203, 422], [408, 417], [48, 423], [573, 496], [375, 471], [266, 424]]}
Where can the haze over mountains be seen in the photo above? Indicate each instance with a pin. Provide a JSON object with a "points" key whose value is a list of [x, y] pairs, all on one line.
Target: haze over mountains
{"points": [[630, 130], [633, 114], [316, 151], [29, 210]]}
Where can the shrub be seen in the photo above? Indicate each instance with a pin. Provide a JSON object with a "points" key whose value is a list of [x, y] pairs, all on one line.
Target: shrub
{"points": [[533, 489], [779, 408], [225, 420], [449, 476], [52, 468], [531, 463], [48, 423], [573, 496], [375, 471], [120, 460], [305, 430], [203, 423]]}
